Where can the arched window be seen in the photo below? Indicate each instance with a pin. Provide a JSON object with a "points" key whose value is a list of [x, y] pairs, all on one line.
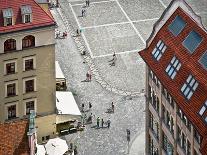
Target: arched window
{"points": [[28, 41], [10, 45]]}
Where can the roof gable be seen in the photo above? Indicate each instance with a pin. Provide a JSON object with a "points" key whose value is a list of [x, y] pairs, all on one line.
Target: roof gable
{"points": [[190, 63], [39, 16]]}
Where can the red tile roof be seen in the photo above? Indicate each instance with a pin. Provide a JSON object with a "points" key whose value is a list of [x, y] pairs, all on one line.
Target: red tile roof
{"points": [[190, 65], [39, 16], [14, 139]]}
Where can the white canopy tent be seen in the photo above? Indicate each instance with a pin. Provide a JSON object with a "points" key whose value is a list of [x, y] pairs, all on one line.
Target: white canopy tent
{"points": [[58, 72], [56, 146], [40, 150], [67, 107]]}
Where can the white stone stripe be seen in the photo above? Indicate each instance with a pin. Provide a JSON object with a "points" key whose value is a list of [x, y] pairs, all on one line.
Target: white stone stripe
{"points": [[94, 2], [144, 20], [136, 21], [132, 51], [84, 38], [131, 22], [89, 27], [162, 3]]}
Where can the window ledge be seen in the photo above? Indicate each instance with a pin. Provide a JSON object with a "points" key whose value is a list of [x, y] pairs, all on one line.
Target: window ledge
{"points": [[25, 93], [29, 70], [10, 74], [11, 96]]}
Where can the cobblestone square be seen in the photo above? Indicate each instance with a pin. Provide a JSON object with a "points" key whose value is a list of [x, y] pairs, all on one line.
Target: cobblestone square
{"points": [[142, 9], [113, 39], [99, 13], [120, 26]]}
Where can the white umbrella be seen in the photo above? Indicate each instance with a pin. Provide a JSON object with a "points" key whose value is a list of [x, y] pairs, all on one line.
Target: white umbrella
{"points": [[56, 146], [40, 150]]}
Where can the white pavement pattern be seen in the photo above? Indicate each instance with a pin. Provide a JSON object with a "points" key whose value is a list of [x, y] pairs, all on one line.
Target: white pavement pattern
{"points": [[89, 60]]}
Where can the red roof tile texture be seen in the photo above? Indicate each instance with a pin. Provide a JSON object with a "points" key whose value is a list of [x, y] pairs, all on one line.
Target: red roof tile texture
{"points": [[190, 65], [39, 16], [14, 139]]}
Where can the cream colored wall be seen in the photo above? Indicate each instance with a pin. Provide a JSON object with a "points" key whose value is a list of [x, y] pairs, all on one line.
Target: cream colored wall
{"points": [[45, 126], [42, 37], [45, 80]]}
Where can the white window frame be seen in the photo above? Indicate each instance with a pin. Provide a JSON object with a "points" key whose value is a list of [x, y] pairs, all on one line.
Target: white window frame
{"points": [[159, 50], [16, 87], [27, 79], [11, 104], [27, 58], [10, 61], [28, 100]]}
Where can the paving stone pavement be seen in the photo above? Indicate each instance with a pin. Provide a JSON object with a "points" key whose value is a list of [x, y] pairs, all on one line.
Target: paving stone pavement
{"points": [[95, 72], [129, 112]]}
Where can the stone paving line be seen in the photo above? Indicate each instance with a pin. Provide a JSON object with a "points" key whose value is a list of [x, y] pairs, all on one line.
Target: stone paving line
{"points": [[95, 73]]}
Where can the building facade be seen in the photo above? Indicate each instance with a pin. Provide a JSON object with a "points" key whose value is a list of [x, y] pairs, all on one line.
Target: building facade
{"points": [[176, 89], [27, 65]]}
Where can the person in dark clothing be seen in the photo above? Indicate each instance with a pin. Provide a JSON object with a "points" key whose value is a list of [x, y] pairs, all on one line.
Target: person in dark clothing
{"points": [[108, 123], [112, 106], [98, 121], [83, 107], [90, 105], [102, 122]]}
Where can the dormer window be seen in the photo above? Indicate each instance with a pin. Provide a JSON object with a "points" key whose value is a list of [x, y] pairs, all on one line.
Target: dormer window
{"points": [[8, 16], [26, 12]]}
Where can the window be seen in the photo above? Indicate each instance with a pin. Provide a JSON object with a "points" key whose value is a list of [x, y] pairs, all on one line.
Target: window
{"points": [[30, 106], [9, 45], [159, 50], [11, 89], [29, 86], [27, 18], [189, 87], [28, 64], [11, 110], [177, 25], [8, 21], [26, 11], [173, 67], [7, 15], [203, 109], [47, 137], [10, 67], [203, 60], [192, 41], [28, 41]]}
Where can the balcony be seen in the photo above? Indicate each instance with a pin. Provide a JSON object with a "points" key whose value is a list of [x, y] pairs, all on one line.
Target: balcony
{"points": [[154, 136], [154, 112], [170, 135]]}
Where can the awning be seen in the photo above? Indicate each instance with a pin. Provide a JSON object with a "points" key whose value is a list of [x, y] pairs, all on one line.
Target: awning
{"points": [[58, 71], [66, 106]]}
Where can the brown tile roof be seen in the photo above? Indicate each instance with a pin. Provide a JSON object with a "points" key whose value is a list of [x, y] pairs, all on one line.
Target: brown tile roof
{"points": [[39, 17], [190, 65], [14, 139]]}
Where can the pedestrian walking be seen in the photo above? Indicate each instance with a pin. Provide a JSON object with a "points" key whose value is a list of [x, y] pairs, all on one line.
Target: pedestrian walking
{"points": [[102, 122], [82, 107], [89, 105], [57, 34], [87, 76], [98, 121], [108, 123], [112, 106], [87, 2], [82, 12], [75, 150], [113, 60]]}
